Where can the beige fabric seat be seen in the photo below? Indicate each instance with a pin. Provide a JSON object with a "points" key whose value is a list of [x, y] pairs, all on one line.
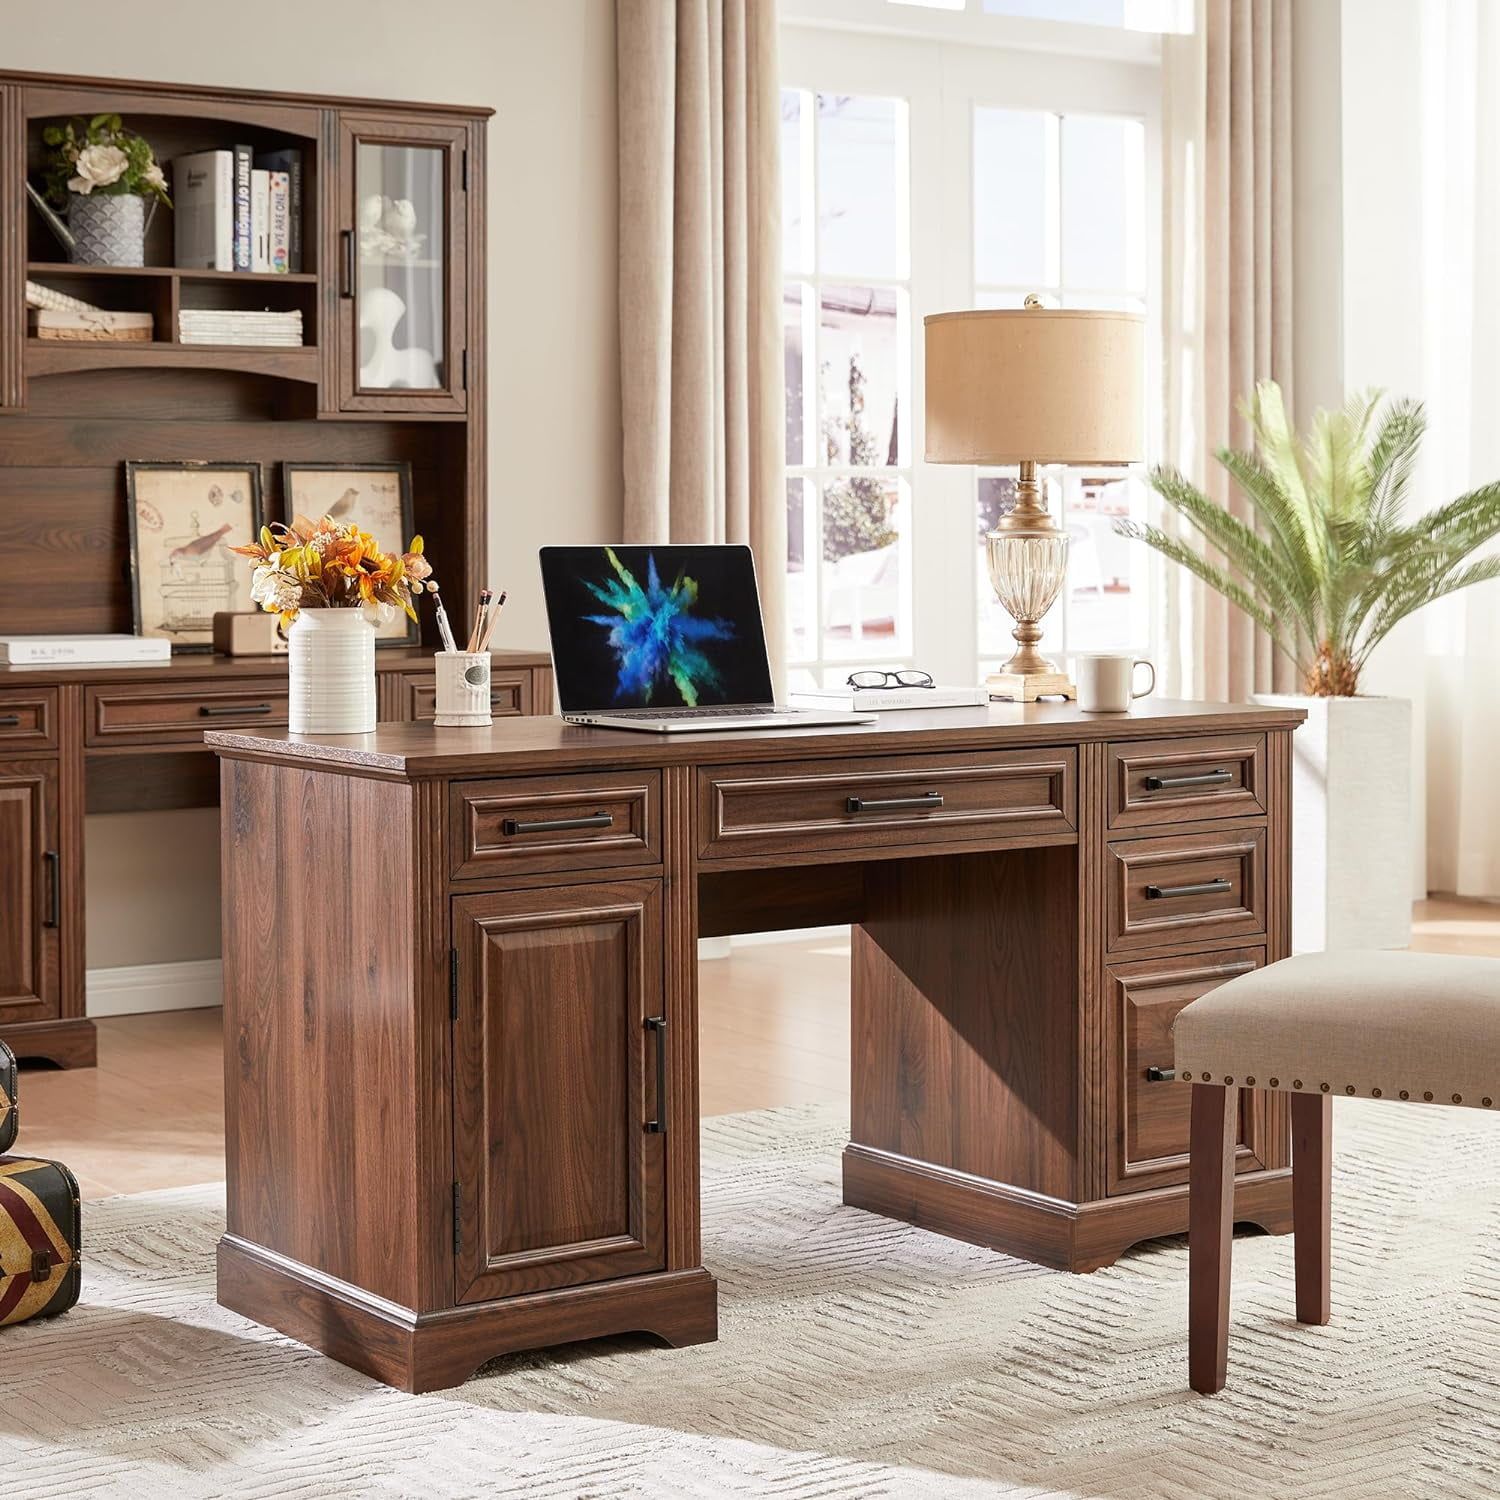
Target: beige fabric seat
{"points": [[1414, 1026]]}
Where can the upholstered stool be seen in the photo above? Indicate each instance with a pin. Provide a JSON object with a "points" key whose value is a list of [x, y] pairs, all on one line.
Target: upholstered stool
{"points": [[1398, 1026]]}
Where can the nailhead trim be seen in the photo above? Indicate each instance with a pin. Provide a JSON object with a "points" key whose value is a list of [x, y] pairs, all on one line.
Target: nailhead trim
{"points": [[1250, 1080], [1348, 1088], [1296, 1083], [1428, 1096], [1275, 1082], [1404, 1094], [1323, 1087], [1458, 1098], [1374, 1093], [1228, 1079], [1486, 1101]]}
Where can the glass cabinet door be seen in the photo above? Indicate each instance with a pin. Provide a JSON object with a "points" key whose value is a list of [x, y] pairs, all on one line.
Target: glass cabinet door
{"points": [[401, 284]]}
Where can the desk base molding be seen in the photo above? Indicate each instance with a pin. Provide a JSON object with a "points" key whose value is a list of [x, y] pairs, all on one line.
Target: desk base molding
{"points": [[70, 1043], [420, 1352], [1047, 1231]]}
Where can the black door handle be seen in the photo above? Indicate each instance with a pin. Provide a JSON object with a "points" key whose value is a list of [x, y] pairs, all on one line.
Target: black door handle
{"points": [[1160, 1075], [658, 1024], [219, 710], [54, 888], [510, 827], [346, 280], [928, 800], [1202, 888], [1204, 778]]}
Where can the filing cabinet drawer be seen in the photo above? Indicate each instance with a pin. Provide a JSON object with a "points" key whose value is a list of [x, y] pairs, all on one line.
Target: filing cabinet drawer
{"points": [[150, 714], [510, 694], [873, 802], [28, 719], [536, 824], [1186, 889], [1152, 782], [1148, 1111]]}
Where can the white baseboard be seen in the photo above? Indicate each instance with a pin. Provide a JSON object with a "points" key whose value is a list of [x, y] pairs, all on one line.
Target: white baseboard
{"points": [[137, 988]]}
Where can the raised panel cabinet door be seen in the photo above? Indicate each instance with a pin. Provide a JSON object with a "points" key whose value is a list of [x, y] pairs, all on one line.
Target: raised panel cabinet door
{"points": [[30, 913], [559, 1132], [400, 265]]}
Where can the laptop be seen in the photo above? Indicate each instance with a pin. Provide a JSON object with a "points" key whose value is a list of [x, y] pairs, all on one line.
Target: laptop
{"points": [[668, 639]]}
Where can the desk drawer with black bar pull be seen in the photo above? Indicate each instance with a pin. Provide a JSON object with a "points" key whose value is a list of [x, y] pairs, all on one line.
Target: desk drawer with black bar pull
{"points": [[148, 713], [28, 719], [1187, 888], [537, 824], [1153, 782], [872, 802]]}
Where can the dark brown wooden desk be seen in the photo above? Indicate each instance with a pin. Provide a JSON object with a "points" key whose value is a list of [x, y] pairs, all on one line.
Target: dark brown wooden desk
{"points": [[461, 1042]]}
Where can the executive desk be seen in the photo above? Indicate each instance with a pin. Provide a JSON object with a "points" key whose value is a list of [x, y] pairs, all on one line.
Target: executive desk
{"points": [[461, 1042]]}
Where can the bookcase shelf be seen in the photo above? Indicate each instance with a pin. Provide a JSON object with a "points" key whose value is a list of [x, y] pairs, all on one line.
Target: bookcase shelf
{"points": [[64, 356], [36, 269]]}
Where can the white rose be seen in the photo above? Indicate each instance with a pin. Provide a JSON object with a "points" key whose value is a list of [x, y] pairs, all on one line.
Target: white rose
{"points": [[154, 177], [98, 166]]}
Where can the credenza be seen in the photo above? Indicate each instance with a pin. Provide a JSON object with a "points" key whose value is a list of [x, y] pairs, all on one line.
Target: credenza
{"points": [[76, 740], [461, 1042]]}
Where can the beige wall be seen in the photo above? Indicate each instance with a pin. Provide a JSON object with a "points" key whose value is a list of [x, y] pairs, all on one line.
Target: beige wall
{"points": [[547, 69]]}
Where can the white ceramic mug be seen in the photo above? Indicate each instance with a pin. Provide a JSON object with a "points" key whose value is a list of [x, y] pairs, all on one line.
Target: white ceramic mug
{"points": [[1106, 682]]}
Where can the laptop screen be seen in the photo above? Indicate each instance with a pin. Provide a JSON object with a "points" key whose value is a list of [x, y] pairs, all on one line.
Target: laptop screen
{"points": [[655, 627]]}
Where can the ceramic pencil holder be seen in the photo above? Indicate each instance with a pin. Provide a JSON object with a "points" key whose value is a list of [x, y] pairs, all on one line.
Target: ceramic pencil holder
{"points": [[463, 690]]}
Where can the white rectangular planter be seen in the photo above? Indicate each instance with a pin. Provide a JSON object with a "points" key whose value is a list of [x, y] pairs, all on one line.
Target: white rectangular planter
{"points": [[1351, 823]]}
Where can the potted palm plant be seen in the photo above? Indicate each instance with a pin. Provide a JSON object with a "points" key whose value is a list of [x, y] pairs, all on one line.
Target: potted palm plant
{"points": [[1333, 566]]}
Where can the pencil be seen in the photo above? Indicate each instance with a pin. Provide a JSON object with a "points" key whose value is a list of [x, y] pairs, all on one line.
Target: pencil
{"points": [[493, 620]]}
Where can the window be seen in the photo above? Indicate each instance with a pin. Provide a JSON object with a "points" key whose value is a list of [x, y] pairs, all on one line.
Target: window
{"points": [[921, 174]]}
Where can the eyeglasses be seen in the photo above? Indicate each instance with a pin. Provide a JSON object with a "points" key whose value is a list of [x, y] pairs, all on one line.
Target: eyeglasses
{"points": [[874, 679]]}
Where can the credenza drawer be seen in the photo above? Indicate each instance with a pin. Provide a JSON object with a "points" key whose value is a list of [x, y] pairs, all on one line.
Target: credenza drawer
{"points": [[1148, 1110], [28, 719], [878, 801], [1186, 889], [510, 694], [150, 714], [538, 824], [1152, 782]]}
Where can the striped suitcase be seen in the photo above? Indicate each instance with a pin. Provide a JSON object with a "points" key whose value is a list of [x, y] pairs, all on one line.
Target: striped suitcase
{"points": [[40, 1239], [8, 1116]]}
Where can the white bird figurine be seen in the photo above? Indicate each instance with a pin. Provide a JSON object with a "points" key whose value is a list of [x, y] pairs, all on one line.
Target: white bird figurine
{"points": [[400, 219]]}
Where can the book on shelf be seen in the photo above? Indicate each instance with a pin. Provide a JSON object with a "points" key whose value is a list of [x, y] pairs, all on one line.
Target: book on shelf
{"points": [[278, 232], [203, 210], [288, 160], [243, 158], [82, 650], [281, 330], [260, 220], [863, 700]]}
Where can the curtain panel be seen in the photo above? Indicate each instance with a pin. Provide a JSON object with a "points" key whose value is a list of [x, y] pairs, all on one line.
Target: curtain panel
{"points": [[701, 374], [1226, 300]]}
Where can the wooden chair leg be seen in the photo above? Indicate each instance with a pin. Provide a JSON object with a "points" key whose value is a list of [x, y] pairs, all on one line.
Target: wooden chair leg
{"points": [[1210, 1233], [1312, 1193]]}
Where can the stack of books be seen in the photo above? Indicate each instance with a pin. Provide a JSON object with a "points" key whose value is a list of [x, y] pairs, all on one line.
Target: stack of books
{"points": [[238, 211], [215, 325]]}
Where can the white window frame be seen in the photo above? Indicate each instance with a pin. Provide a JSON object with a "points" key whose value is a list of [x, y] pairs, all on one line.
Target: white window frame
{"points": [[944, 64]]}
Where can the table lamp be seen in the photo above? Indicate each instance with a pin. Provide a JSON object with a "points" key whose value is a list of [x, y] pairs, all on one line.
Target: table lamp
{"points": [[1029, 386]]}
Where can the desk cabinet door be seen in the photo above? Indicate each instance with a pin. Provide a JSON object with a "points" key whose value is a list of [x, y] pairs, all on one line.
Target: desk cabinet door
{"points": [[29, 912], [557, 1127]]}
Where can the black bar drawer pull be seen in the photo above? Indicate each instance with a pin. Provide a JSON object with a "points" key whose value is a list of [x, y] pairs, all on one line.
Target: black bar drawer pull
{"points": [[929, 801], [658, 1024], [9, 721], [1160, 1075], [219, 710], [1204, 778], [54, 887], [510, 827], [1203, 888]]}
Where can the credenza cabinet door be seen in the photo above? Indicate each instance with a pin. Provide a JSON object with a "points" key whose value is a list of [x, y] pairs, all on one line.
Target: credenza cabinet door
{"points": [[558, 1137], [30, 911]]}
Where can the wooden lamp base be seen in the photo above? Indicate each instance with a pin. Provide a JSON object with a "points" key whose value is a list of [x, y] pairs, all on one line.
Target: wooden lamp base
{"points": [[1029, 687]]}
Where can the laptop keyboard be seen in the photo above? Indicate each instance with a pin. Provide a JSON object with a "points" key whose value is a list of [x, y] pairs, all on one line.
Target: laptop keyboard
{"points": [[700, 713]]}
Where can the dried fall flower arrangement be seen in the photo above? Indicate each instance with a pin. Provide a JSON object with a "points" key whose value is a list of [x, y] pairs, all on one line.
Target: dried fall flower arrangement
{"points": [[327, 564]]}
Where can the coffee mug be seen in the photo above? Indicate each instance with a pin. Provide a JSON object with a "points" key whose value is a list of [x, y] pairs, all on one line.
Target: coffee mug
{"points": [[1106, 682]]}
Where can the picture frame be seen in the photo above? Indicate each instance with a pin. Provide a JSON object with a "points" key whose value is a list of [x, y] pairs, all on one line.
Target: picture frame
{"points": [[184, 517], [377, 497]]}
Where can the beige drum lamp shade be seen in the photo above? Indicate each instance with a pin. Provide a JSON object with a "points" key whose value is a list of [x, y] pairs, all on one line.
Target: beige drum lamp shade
{"points": [[1035, 385]]}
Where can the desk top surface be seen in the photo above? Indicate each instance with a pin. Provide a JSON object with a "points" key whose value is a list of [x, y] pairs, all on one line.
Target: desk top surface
{"points": [[530, 744]]}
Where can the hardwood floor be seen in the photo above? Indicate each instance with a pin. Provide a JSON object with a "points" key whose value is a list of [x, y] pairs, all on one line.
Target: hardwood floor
{"points": [[775, 1030]]}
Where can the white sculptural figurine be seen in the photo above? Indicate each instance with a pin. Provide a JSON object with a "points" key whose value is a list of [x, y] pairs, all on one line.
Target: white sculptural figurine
{"points": [[385, 367]]}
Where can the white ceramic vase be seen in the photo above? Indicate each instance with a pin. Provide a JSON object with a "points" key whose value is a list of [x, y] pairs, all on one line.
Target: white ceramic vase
{"points": [[1351, 823], [331, 662]]}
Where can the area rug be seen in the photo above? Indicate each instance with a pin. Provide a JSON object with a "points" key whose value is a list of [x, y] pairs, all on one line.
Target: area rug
{"points": [[856, 1358]]}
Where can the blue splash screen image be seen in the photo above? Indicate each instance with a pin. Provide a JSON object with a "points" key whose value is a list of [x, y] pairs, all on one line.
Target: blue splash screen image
{"points": [[655, 626]]}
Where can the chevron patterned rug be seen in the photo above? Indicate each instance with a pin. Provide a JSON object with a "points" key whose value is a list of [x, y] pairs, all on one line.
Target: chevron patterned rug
{"points": [[856, 1358]]}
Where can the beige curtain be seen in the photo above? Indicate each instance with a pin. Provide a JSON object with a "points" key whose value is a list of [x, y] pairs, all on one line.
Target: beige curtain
{"points": [[701, 372], [1227, 298]]}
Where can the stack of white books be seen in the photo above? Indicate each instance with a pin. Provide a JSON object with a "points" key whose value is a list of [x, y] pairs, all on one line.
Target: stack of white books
{"points": [[862, 700], [272, 330], [82, 650]]}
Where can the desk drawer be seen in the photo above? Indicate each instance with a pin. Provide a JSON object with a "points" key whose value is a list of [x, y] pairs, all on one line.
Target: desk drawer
{"points": [[28, 719], [875, 802], [537, 824], [1152, 782], [151, 714], [510, 694], [1186, 889]]}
